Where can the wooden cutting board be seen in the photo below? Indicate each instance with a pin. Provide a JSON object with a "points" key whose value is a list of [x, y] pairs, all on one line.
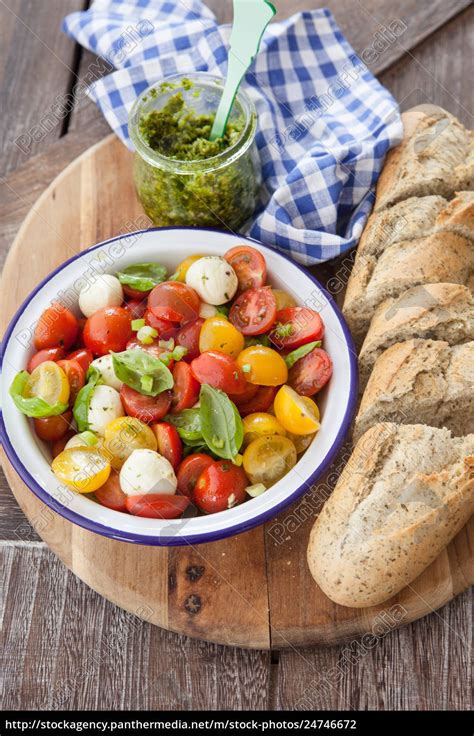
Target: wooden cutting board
{"points": [[252, 590]]}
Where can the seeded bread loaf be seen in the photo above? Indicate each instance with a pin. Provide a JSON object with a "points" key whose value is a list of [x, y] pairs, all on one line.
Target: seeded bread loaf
{"points": [[440, 257], [433, 158], [406, 491], [437, 311], [421, 381]]}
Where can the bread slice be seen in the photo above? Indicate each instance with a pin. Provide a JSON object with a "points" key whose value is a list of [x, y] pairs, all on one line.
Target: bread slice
{"points": [[440, 257], [437, 311], [431, 159], [421, 381], [406, 491], [407, 220]]}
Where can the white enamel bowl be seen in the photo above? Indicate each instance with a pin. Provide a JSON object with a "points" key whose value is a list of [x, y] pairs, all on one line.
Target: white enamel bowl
{"points": [[30, 457]]}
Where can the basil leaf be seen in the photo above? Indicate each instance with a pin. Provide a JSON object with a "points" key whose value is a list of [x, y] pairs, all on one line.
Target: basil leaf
{"points": [[222, 309], [142, 276], [221, 424], [141, 371], [83, 399], [300, 352], [33, 406], [188, 424], [259, 340]]}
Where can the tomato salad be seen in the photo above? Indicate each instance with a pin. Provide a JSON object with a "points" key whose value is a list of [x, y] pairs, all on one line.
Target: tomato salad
{"points": [[170, 392]]}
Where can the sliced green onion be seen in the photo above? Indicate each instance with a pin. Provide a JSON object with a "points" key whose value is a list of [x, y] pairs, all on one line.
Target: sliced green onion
{"points": [[246, 368], [256, 490], [167, 344], [137, 324], [146, 335]]}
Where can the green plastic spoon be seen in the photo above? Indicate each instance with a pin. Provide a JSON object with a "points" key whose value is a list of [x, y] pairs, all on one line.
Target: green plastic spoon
{"points": [[251, 17]]}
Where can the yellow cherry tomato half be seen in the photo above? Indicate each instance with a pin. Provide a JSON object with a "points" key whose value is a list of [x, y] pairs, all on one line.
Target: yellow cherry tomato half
{"points": [[301, 441], [297, 414], [263, 366], [260, 424], [267, 459], [183, 267], [124, 435], [217, 333], [283, 299], [48, 382], [84, 469]]}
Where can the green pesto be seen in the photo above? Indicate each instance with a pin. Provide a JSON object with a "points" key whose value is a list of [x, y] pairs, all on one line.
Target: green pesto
{"points": [[213, 197]]}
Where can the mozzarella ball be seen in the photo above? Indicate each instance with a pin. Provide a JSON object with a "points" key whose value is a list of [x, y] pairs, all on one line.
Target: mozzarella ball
{"points": [[105, 367], [106, 292], [213, 278], [105, 405], [207, 310], [146, 471]]}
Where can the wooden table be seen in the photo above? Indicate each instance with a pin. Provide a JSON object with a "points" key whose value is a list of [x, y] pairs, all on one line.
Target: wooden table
{"points": [[67, 647]]}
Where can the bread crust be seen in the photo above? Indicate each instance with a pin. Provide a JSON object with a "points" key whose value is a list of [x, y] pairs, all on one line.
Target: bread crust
{"points": [[437, 311], [362, 560]]}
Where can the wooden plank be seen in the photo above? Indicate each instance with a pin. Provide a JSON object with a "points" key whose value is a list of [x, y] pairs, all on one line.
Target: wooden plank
{"points": [[68, 648], [36, 72], [86, 112], [361, 21], [435, 72], [424, 666]]}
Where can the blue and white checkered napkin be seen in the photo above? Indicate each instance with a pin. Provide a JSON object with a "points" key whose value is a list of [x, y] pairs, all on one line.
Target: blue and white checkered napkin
{"points": [[324, 122]]}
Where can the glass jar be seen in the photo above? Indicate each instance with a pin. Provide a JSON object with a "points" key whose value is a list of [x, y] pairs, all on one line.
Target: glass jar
{"points": [[220, 191]]}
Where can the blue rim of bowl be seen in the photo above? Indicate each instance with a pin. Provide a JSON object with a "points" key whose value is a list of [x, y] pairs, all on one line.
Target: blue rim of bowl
{"points": [[174, 541]]}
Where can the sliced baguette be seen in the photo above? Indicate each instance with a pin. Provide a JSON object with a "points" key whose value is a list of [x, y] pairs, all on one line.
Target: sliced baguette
{"points": [[432, 158], [440, 257], [458, 216], [437, 311], [406, 491], [421, 381]]}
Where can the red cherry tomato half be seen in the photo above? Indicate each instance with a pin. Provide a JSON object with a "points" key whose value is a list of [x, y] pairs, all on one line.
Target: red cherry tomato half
{"points": [[108, 330], [311, 373], [262, 400], [136, 307], [153, 349], [53, 428], [147, 408], [188, 338], [190, 470], [59, 445], [249, 392], [48, 354], [75, 375], [57, 327], [84, 358], [186, 388], [157, 505], [249, 265], [80, 337], [220, 371], [164, 328], [169, 442], [111, 495], [296, 326], [132, 293], [221, 486], [254, 311], [175, 302]]}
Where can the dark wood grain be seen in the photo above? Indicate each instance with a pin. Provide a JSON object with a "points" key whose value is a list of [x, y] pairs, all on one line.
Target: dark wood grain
{"points": [[424, 666], [36, 72], [435, 71], [67, 647]]}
